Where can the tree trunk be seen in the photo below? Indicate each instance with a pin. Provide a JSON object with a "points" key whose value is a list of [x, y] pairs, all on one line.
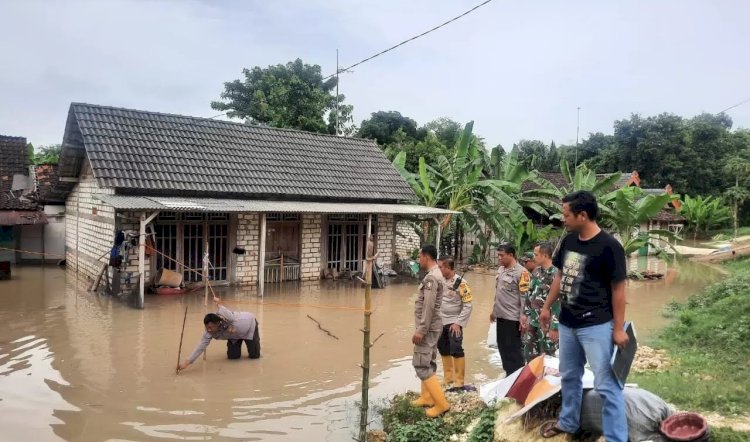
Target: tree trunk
{"points": [[460, 241], [735, 215], [455, 239]]}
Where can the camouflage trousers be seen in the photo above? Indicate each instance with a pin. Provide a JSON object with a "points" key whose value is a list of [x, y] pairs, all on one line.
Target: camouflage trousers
{"points": [[536, 343]]}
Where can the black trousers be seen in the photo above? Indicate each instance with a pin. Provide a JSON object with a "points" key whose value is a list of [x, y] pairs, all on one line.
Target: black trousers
{"points": [[449, 345], [234, 346], [509, 344]]}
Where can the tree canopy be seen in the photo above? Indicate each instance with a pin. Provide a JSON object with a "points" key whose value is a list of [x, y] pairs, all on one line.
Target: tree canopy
{"points": [[292, 95]]}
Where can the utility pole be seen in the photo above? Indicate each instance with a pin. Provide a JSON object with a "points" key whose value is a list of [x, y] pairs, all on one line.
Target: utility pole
{"points": [[337, 93], [578, 128]]}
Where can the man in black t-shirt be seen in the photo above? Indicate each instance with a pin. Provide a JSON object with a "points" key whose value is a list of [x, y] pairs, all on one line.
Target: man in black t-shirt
{"points": [[591, 286]]}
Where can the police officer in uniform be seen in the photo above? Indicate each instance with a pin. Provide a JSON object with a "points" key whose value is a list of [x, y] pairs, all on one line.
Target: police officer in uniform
{"points": [[455, 311], [510, 288], [429, 325]]}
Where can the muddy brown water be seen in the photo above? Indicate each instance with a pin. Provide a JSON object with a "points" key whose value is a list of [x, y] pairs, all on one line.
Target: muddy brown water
{"points": [[81, 367]]}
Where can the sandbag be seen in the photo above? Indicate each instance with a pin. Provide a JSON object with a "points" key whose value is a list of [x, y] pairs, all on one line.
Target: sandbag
{"points": [[645, 412]]}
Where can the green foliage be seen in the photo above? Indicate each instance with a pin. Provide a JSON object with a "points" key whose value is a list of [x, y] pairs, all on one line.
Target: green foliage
{"points": [[484, 431], [293, 96], [404, 423], [430, 148], [383, 128], [719, 434], [47, 154], [703, 214], [708, 341], [627, 208]]}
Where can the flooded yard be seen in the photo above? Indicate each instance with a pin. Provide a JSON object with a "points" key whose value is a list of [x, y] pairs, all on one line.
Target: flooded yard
{"points": [[77, 366]]}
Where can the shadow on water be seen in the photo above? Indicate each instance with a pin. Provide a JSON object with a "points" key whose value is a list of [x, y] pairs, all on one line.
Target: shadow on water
{"points": [[77, 366]]}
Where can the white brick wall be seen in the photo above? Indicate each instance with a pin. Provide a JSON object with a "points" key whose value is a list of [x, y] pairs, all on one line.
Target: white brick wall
{"points": [[248, 231], [406, 240], [89, 226], [311, 250], [386, 238]]}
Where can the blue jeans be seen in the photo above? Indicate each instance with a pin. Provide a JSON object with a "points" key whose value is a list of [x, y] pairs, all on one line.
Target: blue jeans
{"points": [[593, 343]]}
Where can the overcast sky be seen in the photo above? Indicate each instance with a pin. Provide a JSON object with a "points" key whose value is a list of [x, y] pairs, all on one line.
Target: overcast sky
{"points": [[519, 69]]}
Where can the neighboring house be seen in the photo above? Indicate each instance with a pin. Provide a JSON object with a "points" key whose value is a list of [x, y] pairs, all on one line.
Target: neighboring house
{"points": [[271, 204], [22, 219], [667, 219], [50, 193]]}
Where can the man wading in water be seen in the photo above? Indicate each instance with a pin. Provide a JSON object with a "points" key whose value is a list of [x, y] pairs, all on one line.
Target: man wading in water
{"points": [[234, 327]]}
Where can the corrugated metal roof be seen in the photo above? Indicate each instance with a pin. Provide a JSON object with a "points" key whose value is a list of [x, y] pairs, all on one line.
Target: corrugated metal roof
{"points": [[178, 204]]}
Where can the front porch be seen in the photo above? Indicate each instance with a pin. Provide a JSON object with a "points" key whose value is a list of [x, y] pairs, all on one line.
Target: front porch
{"points": [[251, 242]]}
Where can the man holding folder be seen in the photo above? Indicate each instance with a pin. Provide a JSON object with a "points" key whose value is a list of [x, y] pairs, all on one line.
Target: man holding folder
{"points": [[591, 287]]}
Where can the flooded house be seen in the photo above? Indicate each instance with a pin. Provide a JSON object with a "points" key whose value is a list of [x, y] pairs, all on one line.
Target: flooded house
{"points": [[263, 204], [31, 218]]}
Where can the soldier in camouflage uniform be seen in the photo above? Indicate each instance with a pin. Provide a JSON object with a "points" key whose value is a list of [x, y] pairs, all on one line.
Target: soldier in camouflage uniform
{"points": [[429, 325], [535, 341]]}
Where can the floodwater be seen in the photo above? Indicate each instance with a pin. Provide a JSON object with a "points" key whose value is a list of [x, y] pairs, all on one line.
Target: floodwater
{"points": [[81, 367]]}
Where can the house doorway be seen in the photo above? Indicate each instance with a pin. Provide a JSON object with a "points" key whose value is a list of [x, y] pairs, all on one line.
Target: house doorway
{"points": [[182, 235], [283, 240]]}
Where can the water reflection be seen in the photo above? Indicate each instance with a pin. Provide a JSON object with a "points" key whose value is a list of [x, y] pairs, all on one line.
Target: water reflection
{"points": [[77, 366]]}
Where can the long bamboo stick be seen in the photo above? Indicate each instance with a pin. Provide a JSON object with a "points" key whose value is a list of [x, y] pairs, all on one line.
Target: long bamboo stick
{"points": [[366, 344], [179, 350]]}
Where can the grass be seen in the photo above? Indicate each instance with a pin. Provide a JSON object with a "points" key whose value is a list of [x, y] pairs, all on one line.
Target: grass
{"points": [[727, 435], [709, 342]]}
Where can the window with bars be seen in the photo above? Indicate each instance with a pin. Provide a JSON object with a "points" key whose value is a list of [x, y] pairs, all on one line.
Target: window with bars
{"points": [[282, 216], [346, 241], [181, 236]]}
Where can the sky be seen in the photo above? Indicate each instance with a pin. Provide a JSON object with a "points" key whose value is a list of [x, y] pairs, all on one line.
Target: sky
{"points": [[518, 69]]}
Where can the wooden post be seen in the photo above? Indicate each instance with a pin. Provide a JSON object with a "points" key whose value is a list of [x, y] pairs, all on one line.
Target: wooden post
{"points": [[437, 240], [281, 264], [262, 256], [141, 261], [366, 344], [205, 267], [142, 256]]}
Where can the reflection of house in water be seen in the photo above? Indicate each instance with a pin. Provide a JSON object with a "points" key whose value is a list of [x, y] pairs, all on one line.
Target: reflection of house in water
{"points": [[269, 204]]}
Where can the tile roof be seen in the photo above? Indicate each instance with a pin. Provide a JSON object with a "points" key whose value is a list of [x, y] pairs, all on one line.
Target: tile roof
{"points": [[146, 152], [668, 216], [13, 161], [555, 178]]}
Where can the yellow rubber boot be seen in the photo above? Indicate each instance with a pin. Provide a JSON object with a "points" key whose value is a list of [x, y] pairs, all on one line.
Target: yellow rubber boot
{"points": [[459, 369], [424, 400], [436, 392], [448, 372]]}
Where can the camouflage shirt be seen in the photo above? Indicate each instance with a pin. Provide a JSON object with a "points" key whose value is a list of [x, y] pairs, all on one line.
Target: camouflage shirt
{"points": [[534, 299]]}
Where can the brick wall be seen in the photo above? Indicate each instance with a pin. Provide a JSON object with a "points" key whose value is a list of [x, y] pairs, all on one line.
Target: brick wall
{"points": [[311, 251], [406, 240], [89, 226], [386, 238], [248, 238]]}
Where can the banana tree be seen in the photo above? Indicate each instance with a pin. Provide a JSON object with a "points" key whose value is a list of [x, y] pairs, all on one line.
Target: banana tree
{"points": [[581, 178], [703, 214], [628, 208]]}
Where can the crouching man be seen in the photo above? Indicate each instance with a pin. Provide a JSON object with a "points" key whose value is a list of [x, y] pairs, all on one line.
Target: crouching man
{"points": [[234, 327]]}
